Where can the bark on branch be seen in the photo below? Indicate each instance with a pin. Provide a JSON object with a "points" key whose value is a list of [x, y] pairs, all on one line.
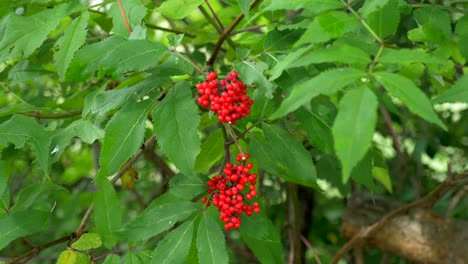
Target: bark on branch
{"points": [[418, 235]]}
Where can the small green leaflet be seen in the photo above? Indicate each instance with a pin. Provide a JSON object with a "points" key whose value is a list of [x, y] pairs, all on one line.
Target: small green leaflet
{"points": [[67, 257], [210, 241], [81, 128], [107, 212], [318, 131], [402, 56], [20, 130], [405, 90], [212, 151], [87, 241], [371, 6], [186, 186], [435, 24], [24, 34], [263, 238], [354, 127], [72, 39], [135, 12], [124, 136], [251, 72], [457, 93], [112, 259], [19, 224], [175, 246], [328, 82], [176, 120], [384, 21], [158, 218], [178, 9], [283, 156]]}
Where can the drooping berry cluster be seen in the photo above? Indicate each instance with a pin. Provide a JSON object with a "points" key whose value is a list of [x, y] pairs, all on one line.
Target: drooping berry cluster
{"points": [[228, 98], [230, 191]]}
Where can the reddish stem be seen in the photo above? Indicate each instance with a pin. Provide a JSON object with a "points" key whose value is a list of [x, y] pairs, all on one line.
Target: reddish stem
{"points": [[124, 16]]}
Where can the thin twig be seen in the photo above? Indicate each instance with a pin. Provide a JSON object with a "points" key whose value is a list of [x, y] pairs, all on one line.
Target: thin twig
{"points": [[226, 33], [215, 25], [309, 246], [172, 30], [185, 58], [457, 198], [39, 115], [214, 15], [234, 137], [247, 130], [425, 202], [252, 29], [124, 16]]}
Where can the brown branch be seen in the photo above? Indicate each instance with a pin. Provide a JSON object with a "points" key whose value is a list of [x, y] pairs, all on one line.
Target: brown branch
{"points": [[172, 30], [124, 16], [215, 25], [226, 33], [425, 202], [309, 246], [214, 15], [252, 29], [38, 114], [247, 130], [389, 123], [36, 250]]}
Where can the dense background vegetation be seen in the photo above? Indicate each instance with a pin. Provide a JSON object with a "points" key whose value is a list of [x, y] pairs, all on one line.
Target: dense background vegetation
{"points": [[105, 153]]}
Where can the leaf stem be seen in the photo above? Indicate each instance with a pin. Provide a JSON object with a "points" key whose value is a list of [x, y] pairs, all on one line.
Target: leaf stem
{"points": [[124, 16], [234, 137], [176, 31], [214, 15], [185, 58], [252, 28]]}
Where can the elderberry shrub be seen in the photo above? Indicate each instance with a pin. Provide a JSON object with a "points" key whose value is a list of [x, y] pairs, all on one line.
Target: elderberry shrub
{"points": [[227, 98], [231, 191]]}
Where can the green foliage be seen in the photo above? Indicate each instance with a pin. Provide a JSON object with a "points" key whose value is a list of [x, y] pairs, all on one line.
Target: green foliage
{"points": [[367, 94]]}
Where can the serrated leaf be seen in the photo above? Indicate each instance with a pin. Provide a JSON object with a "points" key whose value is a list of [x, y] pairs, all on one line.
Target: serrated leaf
{"points": [[124, 136], [318, 132], [175, 246], [385, 20], [67, 257], [19, 224], [83, 129], [435, 24], [328, 82], [134, 10], [107, 213], [405, 90], [186, 186], [354, 127], [178, 9], [263, 238], [72, 39], [24, 34], [212, 150], [284, 156], [402, 56], [158, 218], [457, 93], [20, 130], [87, 241], [176, 121], [210, 241], [251, 72]]}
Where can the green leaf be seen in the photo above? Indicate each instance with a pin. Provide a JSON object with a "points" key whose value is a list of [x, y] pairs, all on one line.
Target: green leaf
{"points": [[405, 90], [112, 259], [251, 72], [354, 127], [328, 82], [158, 218], [67, 257], [3, 178], [83, 129], [263, 238], [338, 53], [362, 172], [82, 258], [383, 176], [186, 186], [210, 241], [284, 156], [25, 71], [384, 21], [462, 32], [72, 39], [124, 136], [371, 6], [212, 151], [245, 7], [24, 34], [107, 213], [178, 9], [280, 40], [20, 130], [134, 10], [19, 224], [403, 56], [287, 62], [435, 23], [318, 132], [176, 121], [457, 93], [87, 241], [175, 246], [317, 5], [36, 193]]}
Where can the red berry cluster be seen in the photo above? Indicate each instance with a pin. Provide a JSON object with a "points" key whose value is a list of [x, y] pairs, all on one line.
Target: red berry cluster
{"points": [[230, 191], [228, 98]]}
